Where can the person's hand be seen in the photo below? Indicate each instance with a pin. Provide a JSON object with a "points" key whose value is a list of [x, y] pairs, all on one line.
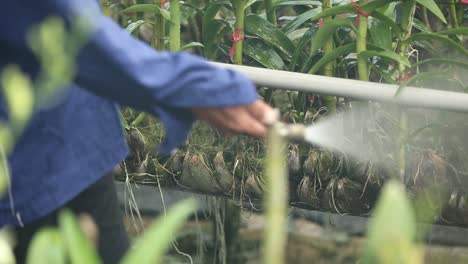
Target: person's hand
{"points": [[251, 119]]}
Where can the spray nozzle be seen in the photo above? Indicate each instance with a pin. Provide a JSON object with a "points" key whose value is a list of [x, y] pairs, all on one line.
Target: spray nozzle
{"points": [[295, 132]]}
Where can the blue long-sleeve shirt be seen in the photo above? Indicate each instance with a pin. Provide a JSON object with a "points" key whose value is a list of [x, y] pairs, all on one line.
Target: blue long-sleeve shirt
{"points": [[67, 147]]}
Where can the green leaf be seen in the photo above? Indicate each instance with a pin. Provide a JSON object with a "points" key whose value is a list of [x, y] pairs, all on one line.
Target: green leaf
{"points": [[434, 8], [336, 10], [297, 34], [387, 21], [337, 52], [18, 96], [293, 3], [454, 31], [134, 25], [368, 7], [381, 33], [6, 246], [423, 76], [386, 55], [300, 20], [439, 61], [299, 53], [258, 26], [47, 247], [311, 60], [148, 8], [192, 45], [421, 26], [438, 37], [211, 28], [387, 76], [7, 143], [392, 230], [263, 54], [249, 3], [426, 76], [151, 247], [327, 31], [78, 247]]}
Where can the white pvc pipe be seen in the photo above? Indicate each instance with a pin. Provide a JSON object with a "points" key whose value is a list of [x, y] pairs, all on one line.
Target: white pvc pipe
{"points": [[409, 96]]}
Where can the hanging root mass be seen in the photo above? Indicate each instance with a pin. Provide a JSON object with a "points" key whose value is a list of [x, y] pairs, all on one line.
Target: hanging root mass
{"points": [[319, 179]]}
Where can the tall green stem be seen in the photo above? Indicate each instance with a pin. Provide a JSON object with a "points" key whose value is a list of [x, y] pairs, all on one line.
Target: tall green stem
{"points": [[270, 11], [426, 18], [453, 13], [239, 28], [159, 32], [276, 199], [409, 7], [361, 45], [105, 7], [135, 16], [329, 101], [174, 31], [403, 140], [271, 17], [141, 116], [362, 68]]}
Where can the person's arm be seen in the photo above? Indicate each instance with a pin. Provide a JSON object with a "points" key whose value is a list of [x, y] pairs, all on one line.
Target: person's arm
{"points": [[169, 85], [172, 86]]}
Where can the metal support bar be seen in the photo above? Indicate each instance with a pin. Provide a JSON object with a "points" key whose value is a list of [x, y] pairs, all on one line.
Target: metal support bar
{"points": [[410, 96]]}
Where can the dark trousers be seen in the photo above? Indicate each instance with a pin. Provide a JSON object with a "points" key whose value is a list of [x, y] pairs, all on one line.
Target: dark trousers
{"points": [[100, 202]]}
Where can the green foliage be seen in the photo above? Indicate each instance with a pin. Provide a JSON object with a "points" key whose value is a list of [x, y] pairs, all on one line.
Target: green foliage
{"points": [[441, 38], [263, 54], [387, 55], [327, 31], [134, 25], [392, 231], [433, 7], [56, 50], [260, 27], [276, 200], [78, 247], [6, 243], [47, 247], [152, 246], [192, 45], [18, 93], [68, 243], [148, 8], [336, 53]]}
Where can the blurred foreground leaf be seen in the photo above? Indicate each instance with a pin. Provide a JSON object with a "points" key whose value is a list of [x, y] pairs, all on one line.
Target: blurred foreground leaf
{"points": [[6, 252], [17, 89], [47, 247], [79, 248], [392, 230], [151, 247]]}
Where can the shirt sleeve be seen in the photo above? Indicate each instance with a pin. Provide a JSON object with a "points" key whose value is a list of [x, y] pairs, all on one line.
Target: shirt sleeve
{"points": [[116, 65]]}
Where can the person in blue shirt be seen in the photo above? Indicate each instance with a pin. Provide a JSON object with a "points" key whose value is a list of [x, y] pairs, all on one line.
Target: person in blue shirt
{"points": [[64, 157]]}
